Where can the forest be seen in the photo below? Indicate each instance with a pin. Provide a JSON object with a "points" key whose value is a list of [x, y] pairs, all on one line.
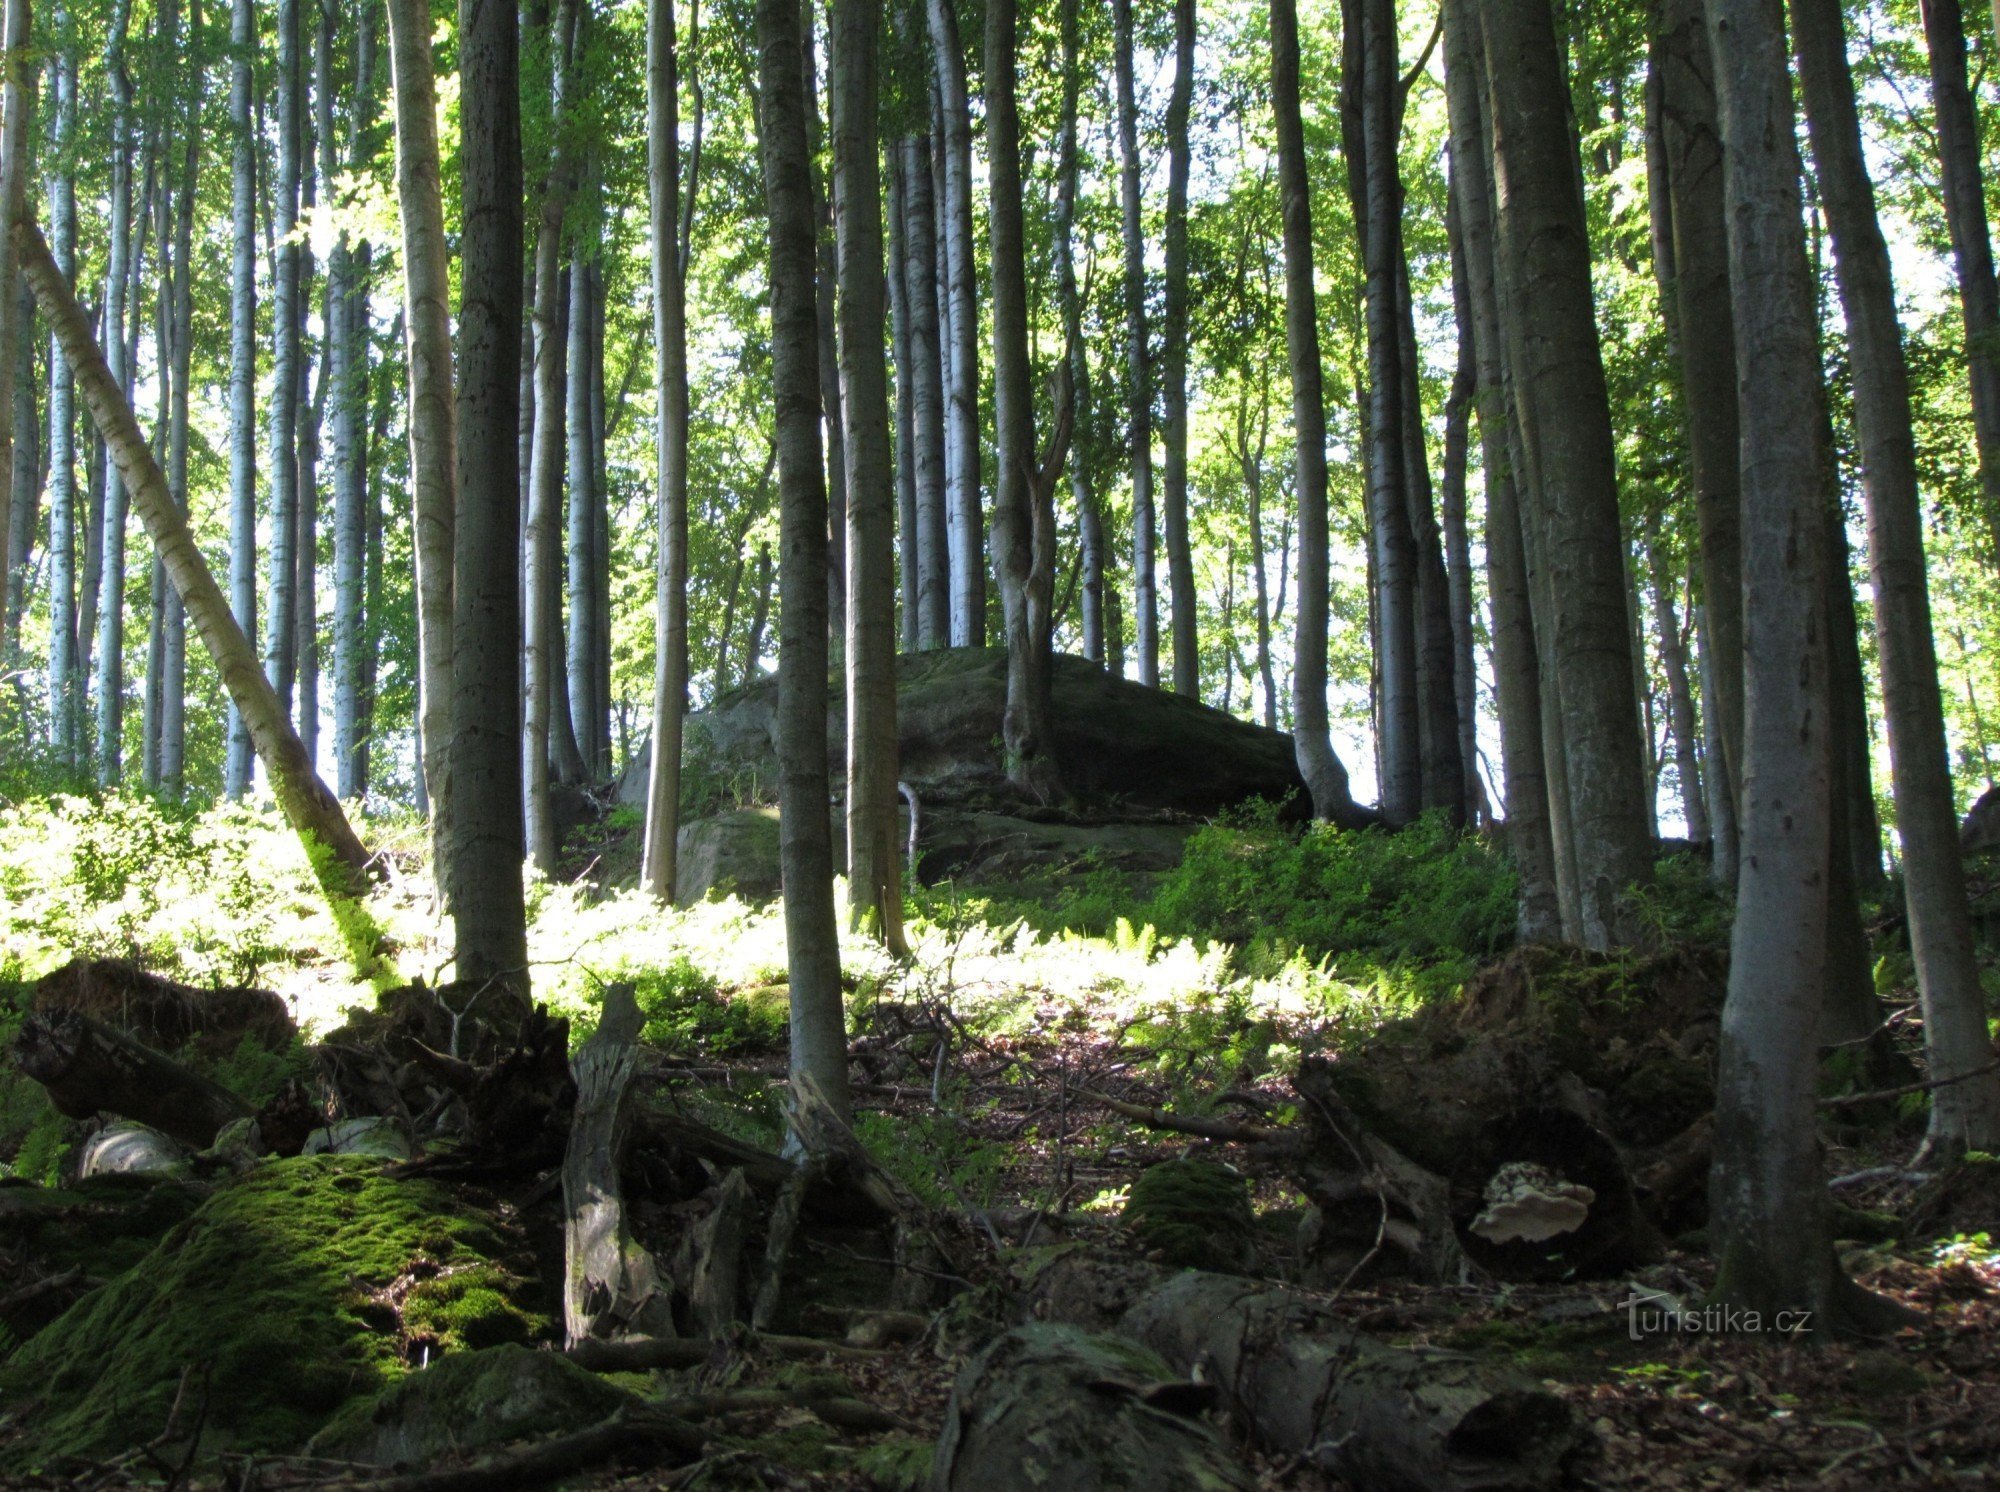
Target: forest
{"points": [[999, 744]]}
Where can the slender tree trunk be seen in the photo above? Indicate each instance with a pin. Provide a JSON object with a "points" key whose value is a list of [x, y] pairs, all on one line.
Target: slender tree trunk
{"points": [[1138, 356], [317, 111], [1517, 665], [16, 92], [1174, 360], [670, 634], [1076, 352], [313, 811], [111, 576], [874, 869], [173, 680], [589, 716], [1971, 237], [834, 430], [818, 1031], [281, 644], [927, 397], [433, 411], [1768, 1193], [1457, 539], [760, 614], [542, 578], [1696, 281], [1251, 460], [1325, 775], [242, 368], [347, 365], [905, 409], [1565, 425], [64, 666], [25, 499], [1680, 693], [1965, 1113], [961, 366], [485, 734]]}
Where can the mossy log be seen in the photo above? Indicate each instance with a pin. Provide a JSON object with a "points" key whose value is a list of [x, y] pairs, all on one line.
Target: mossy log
{"points": [[1304, 1384], [88, 1068], [1049, 1405]]}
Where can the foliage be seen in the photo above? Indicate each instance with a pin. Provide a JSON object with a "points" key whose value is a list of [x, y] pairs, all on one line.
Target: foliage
{"points": [[1425, 893]]}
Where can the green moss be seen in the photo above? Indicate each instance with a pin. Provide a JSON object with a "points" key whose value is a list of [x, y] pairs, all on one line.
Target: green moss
{"points": [[1194, 1213], [465, 1402], [898, 1463], [103, 1226], [277, 1289]]}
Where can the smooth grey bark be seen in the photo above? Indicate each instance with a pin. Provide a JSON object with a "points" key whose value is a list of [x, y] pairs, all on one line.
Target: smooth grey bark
{"points": [[1696, 281], [874, 868], [1768, 1198], [658, 861], [347, 373], [1250, 461], [760, 614], [1965, 1112], [1964, 180], [1174, 362], [1571, 490], [281, 640], [16, 328], [927, 397], [1680, 691], [834, 430], [1076, 352], [542, 572], [903, 410], [967, 538], [590, 716], [486, 820], [1024, 529], [1138, 356], [110, 682], [242, 368], [180, 318], [25, 500], [1326, 777], [432, 402], [1517, 664], [1457, 537], [65, 702], [812, 950], [316, 111]]}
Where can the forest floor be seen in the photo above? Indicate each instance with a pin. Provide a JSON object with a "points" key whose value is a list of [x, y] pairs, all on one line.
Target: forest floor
{"points": [[981, 1069]]}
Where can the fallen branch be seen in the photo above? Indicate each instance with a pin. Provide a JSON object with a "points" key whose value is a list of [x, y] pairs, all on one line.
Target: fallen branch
{"points": [[1232, 1130], [627, 1432], [1855, 1100]]}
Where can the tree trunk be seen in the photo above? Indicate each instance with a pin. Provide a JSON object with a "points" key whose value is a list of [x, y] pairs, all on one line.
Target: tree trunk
{"points": [[1680, 694], [242, 368], [485, 733], [589, 713], [1965, 215], [825, 283], [874, 869], [1572, 494], [1703, 319], [927, 396], [1024, 537], [905, 409], [118, 267], [670, 633], [16, 88], [87, 1068], [316, 109], [1326, 777], [25, 497], [760, 614], [180, 316], [1517, 665], [312, 810], [1138, 358], [818, 1033], [1768, 1192], [1089, 521], [961, 363], [1174, 360], [281, 644], [433, 413], [1965, 1113], [1457, 538]]}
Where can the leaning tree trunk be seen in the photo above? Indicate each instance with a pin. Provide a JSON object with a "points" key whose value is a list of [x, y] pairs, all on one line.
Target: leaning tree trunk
{"points": [[485, 732], [337, 855], [433, 415], [1138, 372], [874, 869], [1326, 777], [818, 1033], [1965, 1111], [670, 627], [1768, 1192]]}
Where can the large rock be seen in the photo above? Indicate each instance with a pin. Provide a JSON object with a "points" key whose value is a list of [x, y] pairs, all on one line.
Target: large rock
{"points": [[1125, 750]]}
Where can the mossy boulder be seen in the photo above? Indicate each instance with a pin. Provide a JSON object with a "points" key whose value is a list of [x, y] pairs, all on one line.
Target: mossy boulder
{"points": [[1194, 1213], [289, 1292], [465, 1402]]}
